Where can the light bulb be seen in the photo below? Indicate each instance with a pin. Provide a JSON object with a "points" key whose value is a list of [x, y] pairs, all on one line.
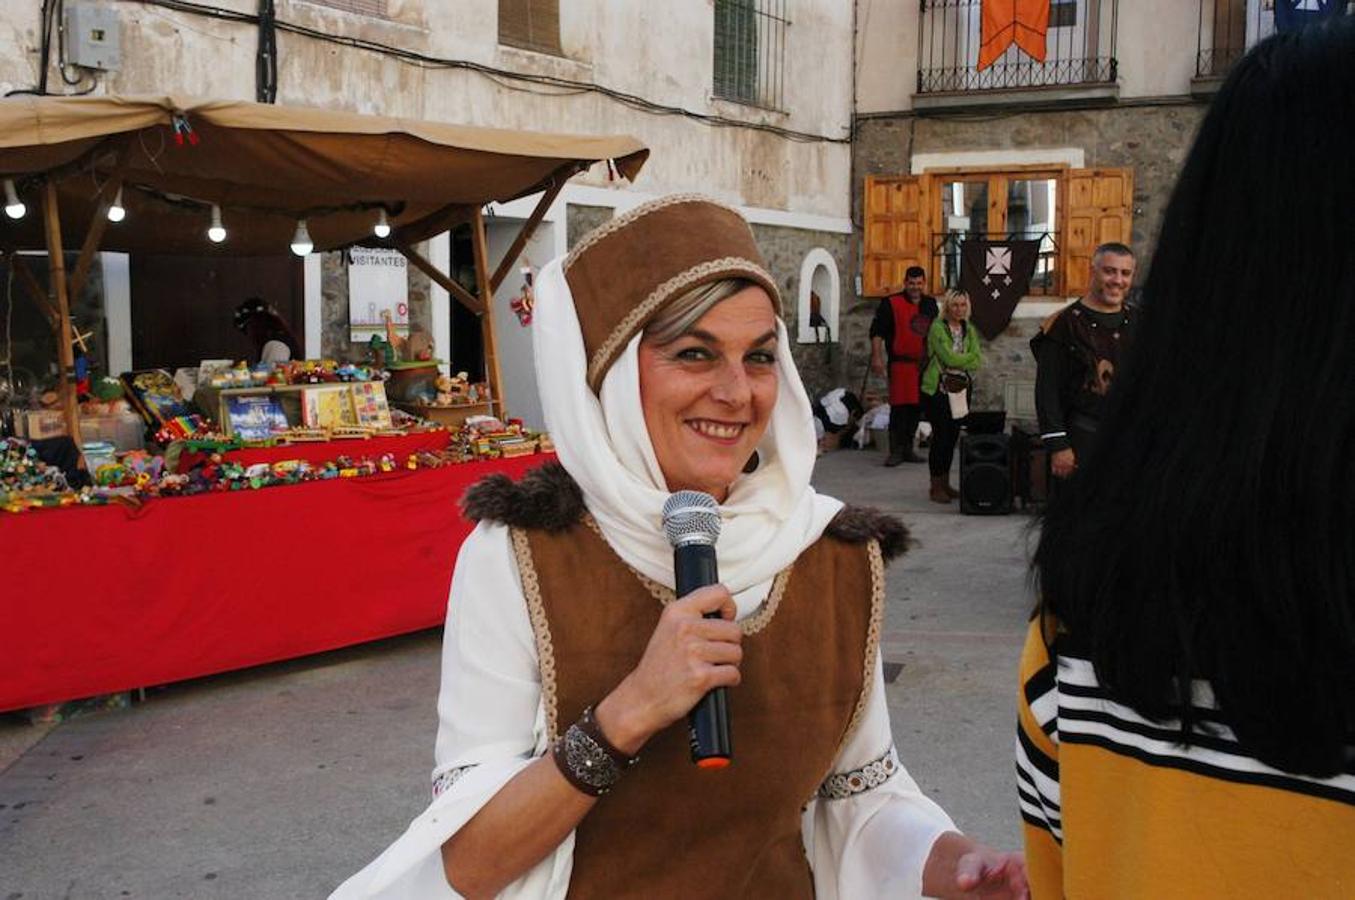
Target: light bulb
{"points": [[217, 233], [14, 207], [301, 241], [117, 212], [382, 228]]}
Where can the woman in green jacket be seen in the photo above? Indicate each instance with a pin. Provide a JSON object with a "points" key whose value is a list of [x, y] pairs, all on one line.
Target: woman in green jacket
{"points": [[953, 358]]}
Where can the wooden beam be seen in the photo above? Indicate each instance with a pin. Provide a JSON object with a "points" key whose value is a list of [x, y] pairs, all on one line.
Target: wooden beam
{"points": [[467, 299], [94, 236], [491, 346], [56, 262], [528, 229], [35, 291]]}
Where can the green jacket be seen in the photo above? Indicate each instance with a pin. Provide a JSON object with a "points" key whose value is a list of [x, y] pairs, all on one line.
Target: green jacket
{"points": [[940, 355]]}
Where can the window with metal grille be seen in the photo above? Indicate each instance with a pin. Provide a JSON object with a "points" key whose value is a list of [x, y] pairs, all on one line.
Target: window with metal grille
{"points": [[1063, 15], [750, 51], [530, 24], [374, 8]]}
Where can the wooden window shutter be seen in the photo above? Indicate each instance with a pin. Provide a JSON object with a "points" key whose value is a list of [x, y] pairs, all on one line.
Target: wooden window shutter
{"points": [[534, 24], [1098, 208], [896, 235]]}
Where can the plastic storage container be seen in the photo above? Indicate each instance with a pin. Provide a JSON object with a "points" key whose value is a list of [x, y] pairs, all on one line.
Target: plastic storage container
{"points": [[125, 431]]}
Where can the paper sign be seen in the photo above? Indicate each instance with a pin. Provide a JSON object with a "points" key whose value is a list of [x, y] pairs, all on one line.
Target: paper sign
{"points": [[378, 284]]}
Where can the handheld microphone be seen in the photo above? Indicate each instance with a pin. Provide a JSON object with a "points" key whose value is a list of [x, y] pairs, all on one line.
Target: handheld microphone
{"points": [[691, 520]]}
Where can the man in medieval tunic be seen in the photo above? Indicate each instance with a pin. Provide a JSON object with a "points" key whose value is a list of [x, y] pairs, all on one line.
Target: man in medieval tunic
{"points": [[1076, 352], [898, 333]]}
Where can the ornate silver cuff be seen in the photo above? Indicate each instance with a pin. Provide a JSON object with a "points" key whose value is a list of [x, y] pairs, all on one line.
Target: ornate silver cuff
{"points": [[587, 759]]}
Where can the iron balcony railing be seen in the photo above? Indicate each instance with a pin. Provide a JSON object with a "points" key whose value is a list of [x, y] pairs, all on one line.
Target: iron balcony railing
{"points": [[1227, 29], [1079, 48]]}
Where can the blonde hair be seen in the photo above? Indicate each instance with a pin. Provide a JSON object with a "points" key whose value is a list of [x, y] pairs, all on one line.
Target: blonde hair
{"points": [[950, 298], [684, 311]]}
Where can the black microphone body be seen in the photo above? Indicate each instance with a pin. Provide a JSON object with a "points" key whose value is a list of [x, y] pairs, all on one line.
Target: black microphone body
{"points": [[708, 723]]}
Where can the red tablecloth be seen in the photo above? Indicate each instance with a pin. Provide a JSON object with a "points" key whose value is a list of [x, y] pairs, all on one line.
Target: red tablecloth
{"points": [[104, 599], [400, 446]]}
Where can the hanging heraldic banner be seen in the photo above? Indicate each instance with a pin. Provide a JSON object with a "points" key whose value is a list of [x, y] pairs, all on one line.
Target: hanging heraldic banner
{"points": [[378, 286], [996, 275]]}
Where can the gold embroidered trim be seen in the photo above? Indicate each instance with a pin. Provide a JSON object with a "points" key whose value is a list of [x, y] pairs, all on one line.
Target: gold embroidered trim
{"points": [[763, 617], [627, 327], [536, 610], [616, 223], [877, 606], [751, 625]]}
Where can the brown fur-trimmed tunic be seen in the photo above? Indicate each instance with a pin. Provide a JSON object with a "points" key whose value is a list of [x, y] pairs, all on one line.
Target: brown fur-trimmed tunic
{"points": [[671, 829]]}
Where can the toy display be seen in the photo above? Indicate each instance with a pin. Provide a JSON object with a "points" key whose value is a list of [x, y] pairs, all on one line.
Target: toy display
{"points": [[370, 408], [255, 417], [22, 472], [327, 407], [136, 476], [452, 390], [304, 371], [156, 396]]}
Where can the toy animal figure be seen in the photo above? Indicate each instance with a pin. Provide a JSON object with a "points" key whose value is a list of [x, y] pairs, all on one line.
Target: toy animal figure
{"points": [[396, 342], [419, 344], [381, 352], [523, 303]]}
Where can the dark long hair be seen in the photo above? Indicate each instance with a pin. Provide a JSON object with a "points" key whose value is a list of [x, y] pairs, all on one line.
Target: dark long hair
{"points": [[1210, 533]]}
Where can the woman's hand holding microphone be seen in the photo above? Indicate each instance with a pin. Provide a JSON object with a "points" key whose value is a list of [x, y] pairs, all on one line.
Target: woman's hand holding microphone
{"points": [[687, 656]]}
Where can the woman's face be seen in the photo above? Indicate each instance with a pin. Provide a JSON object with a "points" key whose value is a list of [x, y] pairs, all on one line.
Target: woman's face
{"points": [[959, 309], [708, 395]]}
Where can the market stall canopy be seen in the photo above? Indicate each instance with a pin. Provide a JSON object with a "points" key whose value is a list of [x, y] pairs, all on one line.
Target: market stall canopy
{"points": [[268, 167]]}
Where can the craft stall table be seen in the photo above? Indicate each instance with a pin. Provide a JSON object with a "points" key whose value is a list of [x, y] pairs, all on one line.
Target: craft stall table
{"points": [[319, 452], [110, 598]]}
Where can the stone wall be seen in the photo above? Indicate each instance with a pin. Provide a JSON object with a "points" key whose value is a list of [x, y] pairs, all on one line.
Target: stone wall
{"points": [[822, 366], [579, 220]]}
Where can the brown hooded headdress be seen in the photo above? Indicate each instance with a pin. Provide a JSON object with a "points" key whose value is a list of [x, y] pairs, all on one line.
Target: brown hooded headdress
{"points": [[623, 273]]}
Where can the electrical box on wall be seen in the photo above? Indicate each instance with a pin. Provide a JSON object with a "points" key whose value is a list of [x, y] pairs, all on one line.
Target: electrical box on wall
{"points": [[93, 38]]}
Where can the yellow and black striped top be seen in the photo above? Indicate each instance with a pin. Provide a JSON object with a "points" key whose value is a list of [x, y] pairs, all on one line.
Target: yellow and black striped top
{"points": [[1115, 806]]}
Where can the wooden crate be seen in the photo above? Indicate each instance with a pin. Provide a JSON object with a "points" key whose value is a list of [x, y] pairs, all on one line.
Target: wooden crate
{"points": [[450, 416]]}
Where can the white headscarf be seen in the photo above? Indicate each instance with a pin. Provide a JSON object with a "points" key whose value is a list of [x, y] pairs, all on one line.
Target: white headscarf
{"points": [[770, 516]]}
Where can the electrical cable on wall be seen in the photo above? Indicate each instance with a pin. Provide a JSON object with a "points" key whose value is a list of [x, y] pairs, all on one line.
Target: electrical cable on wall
{"points": [[493, 73], [52, 16], [266, 61]]}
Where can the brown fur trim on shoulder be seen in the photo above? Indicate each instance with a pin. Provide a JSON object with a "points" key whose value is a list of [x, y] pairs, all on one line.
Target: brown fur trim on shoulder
{"points": [[546, 498], [858, 524]]}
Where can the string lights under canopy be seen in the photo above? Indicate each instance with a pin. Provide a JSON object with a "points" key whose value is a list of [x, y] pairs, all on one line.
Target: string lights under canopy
{"points": [[14, 207]]}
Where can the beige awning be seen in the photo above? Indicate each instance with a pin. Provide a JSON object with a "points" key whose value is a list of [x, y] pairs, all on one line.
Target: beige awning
{"points": [[268, 166]]}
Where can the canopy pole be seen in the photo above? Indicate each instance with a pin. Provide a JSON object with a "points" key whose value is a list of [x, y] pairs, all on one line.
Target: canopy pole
{"points": [[490, 343], [424, 265], [528, 229], [56, 262], [94, 236]]}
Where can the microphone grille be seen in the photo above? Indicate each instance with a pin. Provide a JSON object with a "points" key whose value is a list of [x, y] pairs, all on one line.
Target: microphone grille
{"points": [[691, 517]]}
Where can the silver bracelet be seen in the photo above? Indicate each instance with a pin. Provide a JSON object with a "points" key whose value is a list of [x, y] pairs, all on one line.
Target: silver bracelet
{"points": [[587, 759]]}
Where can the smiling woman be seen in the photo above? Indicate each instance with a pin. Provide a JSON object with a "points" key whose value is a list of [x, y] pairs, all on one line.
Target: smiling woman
{"points": [[707, 388], [663, 364]]}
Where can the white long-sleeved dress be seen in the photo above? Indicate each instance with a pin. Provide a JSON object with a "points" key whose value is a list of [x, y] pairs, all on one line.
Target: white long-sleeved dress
{"points": [[492, 724]]}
